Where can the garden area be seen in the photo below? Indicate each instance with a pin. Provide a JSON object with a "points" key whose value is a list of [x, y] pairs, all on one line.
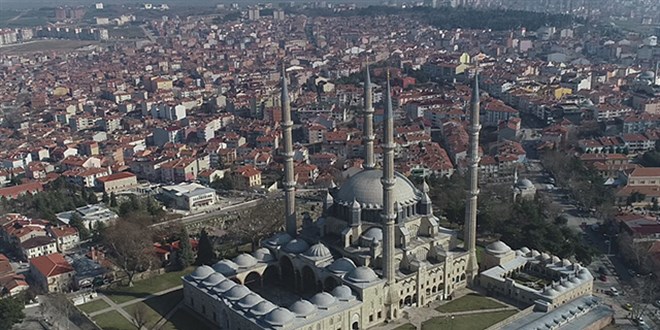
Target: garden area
{"points": [[478, 321], [470, 302], [144, 288]]}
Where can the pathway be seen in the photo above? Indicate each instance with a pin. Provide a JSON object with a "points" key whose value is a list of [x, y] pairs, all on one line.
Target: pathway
{"points": [[118, 307]]}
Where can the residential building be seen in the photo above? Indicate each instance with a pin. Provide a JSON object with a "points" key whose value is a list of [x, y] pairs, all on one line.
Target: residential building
{"points": [[52, 273], [189, 196], [117, 182]]}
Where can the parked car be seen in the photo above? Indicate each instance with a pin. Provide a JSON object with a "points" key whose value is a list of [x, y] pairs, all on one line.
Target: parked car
{"points": [[614, 291], [603, 277], [627, 306], [656, 303]]}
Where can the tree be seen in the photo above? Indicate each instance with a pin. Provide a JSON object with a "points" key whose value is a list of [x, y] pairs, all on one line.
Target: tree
{"points": [[77, 222], [205, 250], [258, 222], [140, 315], [185, 255], [131, 247], [113, 200], [59, 304], [11, 312], [105, 198], [643, 292]]}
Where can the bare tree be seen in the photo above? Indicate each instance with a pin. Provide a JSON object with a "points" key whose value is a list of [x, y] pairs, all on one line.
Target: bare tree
{"points": [[140, 316], [643, 293], [131, 248], [636, 253], [258, 222]]}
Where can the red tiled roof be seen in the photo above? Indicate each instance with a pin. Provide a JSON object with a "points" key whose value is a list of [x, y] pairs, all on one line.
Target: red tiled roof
{"points": [[51, 265], [116, 176]]}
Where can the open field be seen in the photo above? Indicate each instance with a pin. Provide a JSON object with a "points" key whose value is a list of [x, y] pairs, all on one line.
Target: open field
{"points": [[469, 302], [45, 45], [156, 308], [141, 289], [113, 321], [93, 306], [477, 321]]}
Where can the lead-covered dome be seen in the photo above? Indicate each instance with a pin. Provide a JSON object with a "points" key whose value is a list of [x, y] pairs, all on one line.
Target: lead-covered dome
{"points": [[365, 188], [201, 273], [245, 260], [497, 247], [224, 286], [262, 308], [342, 292], [213, 280], [237, 292], [296, 246], [342, 265], [263, 255], [225, 267], [249, 301], [302, 308], [323, 300], [317, 250], [362, 274], [280, 317]]}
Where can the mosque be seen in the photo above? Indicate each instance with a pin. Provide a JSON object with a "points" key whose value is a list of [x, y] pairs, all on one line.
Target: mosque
{"points": [[376, 250]]}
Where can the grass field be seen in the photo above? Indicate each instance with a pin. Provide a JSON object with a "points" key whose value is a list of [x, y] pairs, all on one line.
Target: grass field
{"points": [[478, 321], [44, 45], [157, 307], [93, 306], [141, 289], [113, 321], [406, 326], [184, 319], [470, 302]]}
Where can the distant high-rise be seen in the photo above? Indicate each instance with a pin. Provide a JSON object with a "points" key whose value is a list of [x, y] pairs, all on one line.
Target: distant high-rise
{"points": [[278, 14], [253, 13]]}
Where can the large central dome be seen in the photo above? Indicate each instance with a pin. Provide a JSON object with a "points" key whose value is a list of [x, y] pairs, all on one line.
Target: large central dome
{"points": [[366, 188]]}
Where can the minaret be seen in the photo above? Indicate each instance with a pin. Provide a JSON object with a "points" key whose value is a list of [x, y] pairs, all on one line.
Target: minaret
{"points": [[389, 214], [470, 228], [289, 182], [369, 136]]}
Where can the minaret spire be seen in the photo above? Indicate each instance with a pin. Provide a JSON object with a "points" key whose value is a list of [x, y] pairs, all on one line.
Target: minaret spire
{"points": [[470, 228], [389, 214], [289, 181], [369, 136]]}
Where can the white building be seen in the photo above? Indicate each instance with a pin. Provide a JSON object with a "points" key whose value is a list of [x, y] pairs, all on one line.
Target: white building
{"points": [[90, 214], [189, 196]]}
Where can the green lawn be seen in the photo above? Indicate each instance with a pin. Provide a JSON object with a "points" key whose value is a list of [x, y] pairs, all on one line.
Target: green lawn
{"points": [[406, 326], [469, 302], [157, 307], [122, 294], [184, 319], [93, 306], [478, 321], [113, 321]]}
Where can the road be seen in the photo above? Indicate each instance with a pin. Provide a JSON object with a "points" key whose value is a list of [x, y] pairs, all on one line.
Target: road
{"points": [[617, 273], [210, 214]]}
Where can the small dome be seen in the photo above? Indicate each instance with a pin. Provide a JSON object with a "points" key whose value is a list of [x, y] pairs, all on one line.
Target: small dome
{"points": [[237, 292], [550, 292], [318, 251], [201, 272], [362, 274], [245, 260], [566, 263], [525, 250], [556, 260], [262, 308], [373, 233], [302, 308], [535, 253], [342, 292], [279, 239], [213, 280], [342, 265], [225, 267], [263, 255], [574, 279], [545, 256], [525, 184], [497, 247], [224, 286], [323, 300], [249, 301], [279, 317], [296, 246]]}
